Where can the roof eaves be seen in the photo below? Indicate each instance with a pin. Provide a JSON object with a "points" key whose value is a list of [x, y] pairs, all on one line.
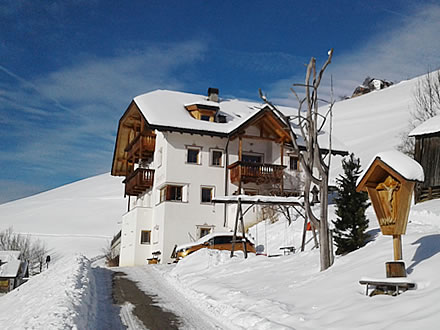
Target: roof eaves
{"points": [[187, 130]]}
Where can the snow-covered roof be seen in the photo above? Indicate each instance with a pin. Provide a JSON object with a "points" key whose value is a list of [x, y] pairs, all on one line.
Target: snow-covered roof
{"points": [[163, 108], [166, 109], [430, 126], [10, 264], [407, 167]]}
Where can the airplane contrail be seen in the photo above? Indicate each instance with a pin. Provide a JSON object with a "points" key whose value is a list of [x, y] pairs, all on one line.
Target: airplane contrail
{"points": [[34, 87]]}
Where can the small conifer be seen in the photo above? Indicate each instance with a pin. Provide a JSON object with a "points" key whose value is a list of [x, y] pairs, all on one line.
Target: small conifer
{"points": [[351, 224]]}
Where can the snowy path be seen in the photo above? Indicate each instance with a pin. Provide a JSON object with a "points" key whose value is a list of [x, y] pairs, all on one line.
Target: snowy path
{"points": [[106, 312], [151, 282]]}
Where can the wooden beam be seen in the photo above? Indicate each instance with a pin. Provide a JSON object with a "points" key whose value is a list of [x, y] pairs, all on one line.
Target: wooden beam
{"points": [[254, 137]]}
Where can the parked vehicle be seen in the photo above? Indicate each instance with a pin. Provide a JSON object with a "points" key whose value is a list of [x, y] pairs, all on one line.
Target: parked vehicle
{"points": [[219, 241]]}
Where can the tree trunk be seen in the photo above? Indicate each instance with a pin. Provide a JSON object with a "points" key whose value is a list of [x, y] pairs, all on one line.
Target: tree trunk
{"points": [[324, 246]]}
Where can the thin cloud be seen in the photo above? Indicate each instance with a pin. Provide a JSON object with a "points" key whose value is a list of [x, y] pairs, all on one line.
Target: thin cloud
{"points": [[408, 49]]}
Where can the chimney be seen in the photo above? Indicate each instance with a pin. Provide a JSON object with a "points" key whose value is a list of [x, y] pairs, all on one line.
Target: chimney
{"points": [[213, 94]]}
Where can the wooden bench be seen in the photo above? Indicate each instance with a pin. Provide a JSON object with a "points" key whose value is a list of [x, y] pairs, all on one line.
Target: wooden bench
{"points": [[395, 285], [287, 249]]}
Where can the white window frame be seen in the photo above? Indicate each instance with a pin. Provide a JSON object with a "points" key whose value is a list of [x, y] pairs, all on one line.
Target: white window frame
{"points": [[204, 226], [211, 157], [149, 236], [212, 194], [199, 155]]}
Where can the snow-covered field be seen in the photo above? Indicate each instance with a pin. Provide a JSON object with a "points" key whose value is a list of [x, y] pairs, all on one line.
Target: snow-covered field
{"points": [[260, 293]]}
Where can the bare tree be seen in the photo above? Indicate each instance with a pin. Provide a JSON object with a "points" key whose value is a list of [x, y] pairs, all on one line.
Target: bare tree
{"points": [[34, 251], [426, 105], [310, 124]]}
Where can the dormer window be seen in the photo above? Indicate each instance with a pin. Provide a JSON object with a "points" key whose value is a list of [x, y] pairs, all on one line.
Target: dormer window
{"points": [[207, 109], [203, 110]]}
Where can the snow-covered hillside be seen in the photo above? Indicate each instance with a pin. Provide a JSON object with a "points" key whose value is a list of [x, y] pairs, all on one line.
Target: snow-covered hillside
{"points": [[373, 122], [78, 217]]}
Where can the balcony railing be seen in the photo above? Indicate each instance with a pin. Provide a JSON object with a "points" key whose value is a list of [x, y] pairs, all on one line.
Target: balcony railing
{"points": [[141, 147], [255, 172], [139, 181]]}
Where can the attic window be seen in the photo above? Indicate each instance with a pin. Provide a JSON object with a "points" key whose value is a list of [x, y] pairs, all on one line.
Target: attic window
{"points": [[204, 110]]}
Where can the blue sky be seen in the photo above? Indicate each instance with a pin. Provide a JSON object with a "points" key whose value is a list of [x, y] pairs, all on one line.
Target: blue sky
{"points": [[68, 69]]}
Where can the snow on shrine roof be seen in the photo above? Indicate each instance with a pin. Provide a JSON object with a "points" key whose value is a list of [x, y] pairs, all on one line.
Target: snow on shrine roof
{"points": [[399, 162], [10, 263], [247, 199], [430, 126]]}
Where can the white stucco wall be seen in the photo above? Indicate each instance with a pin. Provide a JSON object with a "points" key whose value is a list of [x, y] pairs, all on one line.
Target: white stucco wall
{"points": [[174, 222], [132, 251]]}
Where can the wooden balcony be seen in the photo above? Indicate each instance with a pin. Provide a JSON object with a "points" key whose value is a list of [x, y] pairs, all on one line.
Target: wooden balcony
{"points": [[141, 147], [255, 172], [139, 181]]}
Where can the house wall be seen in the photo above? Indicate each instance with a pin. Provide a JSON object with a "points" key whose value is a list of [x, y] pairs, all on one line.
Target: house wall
{"points": [[132, 251], [180, 219], [174, 222]]}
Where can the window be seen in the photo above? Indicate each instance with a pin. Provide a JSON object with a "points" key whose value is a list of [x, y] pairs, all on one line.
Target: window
{"points": [[204, 231], [207, 193], [193, 156], [246, 158], [171, 193], [216, 158], [145, 236], [294, 163]]}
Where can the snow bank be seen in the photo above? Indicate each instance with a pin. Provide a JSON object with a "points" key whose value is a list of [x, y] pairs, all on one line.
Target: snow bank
{"points": [[63, 297]]}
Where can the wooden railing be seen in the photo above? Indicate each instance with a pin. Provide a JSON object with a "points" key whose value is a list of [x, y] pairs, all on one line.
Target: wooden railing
{"points": [[427, 193], [139, 181], [255, 172], [141, 147]]}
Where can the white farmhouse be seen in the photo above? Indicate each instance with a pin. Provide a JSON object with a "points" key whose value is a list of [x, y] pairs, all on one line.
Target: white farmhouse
{"points": [[179, 150]]}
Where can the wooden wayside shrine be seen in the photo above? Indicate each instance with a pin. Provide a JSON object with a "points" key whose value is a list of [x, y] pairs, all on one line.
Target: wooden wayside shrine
{"points": [[390, 193]]}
